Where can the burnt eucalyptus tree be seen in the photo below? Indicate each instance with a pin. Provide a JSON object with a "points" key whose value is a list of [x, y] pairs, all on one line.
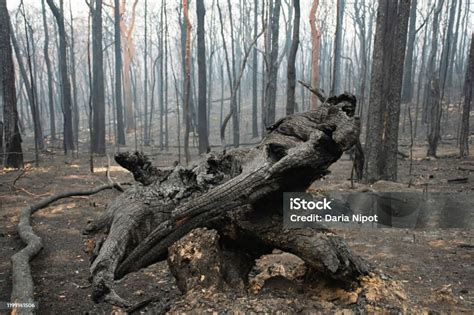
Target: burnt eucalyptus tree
{"points": [[201, 56], [432, 100], [272, 64], [435, 111], [386, 84], [407, 89], [30, 86], [118, 74], [336, 76], [65, 83], [291, 69], [468, 90], [254, 74], [13, 152], [52, 122], [430, 68], [98, 92]]}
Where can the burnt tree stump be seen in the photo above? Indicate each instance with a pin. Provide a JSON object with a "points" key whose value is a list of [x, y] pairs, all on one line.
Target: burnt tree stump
{"points": [[236, 192]]}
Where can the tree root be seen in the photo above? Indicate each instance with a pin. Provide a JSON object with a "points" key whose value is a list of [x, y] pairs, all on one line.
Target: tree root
{"points": [[22, 280]]}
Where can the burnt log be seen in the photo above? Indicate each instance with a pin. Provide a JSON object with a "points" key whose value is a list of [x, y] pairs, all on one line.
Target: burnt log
{"points": [[236, 192]]}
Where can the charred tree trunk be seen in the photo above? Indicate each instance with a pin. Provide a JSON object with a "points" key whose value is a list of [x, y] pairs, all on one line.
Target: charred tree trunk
{"points": [[386, 85], [254, 76], [65, 83], [98, 92], [118, 75], [75, 105], [202, 78], [430, 68], [272, 64], [13, 152], [315, 52], [336, 70], [187, 80], [407, 90], [291, 70], [237, 193], [30, 88], [52, 121], [468, 90]]}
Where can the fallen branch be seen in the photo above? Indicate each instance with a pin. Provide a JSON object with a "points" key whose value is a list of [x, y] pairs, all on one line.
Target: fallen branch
{"points": [[460, 180], [22, 281], [317, 91]]}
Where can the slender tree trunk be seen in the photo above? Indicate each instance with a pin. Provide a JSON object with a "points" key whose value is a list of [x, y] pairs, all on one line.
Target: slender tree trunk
{"points": [[145, 81], [336, 71], [161, 83], [166, 77], [386, 84], [128, 54], [272, 72], [118, 75], [65, 84], [315, 51], [291, 68], [98, 92], [254, 75], [52, 122], [75, 106], [187, 80], [11, 133], [466, 110], [451, 63], [29, 86], [438, 88], [202, 78], [233, 101], [430, 69], [407, 90]]}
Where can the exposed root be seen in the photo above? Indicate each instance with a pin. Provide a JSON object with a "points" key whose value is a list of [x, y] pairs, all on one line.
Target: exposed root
{"points": [[22, 281]]}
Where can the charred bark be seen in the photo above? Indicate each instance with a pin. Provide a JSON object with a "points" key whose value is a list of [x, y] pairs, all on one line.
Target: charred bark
{"points": [[13, 151], [238, 193]]}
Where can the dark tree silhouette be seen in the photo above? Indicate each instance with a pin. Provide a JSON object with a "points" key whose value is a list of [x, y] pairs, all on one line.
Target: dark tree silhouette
{"points": [[13, 151]]}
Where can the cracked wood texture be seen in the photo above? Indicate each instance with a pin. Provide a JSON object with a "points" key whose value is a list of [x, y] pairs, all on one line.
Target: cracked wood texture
{"points": [[238, 193]]}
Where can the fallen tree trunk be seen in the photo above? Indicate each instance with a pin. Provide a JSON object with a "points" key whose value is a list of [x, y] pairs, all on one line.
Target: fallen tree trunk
{"points": [[238, 193], [22, 281]]}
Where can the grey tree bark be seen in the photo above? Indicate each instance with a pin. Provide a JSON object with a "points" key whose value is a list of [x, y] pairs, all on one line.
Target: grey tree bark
{"points": [[146, 137], [11, 133], [30, 88], [336, 70], [430, 68], [98, 91], [291, 67], [407, 89], [75, 106], [118, 75], [52, 113], [468, 91], [385, 92], [254, 75], [272, 64], [432, 101], [65, 83], [239, 190], [202, 78], [187, 80]]}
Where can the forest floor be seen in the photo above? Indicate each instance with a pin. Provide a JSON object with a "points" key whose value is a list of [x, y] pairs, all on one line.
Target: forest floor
{"points": [[435, 267]]}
